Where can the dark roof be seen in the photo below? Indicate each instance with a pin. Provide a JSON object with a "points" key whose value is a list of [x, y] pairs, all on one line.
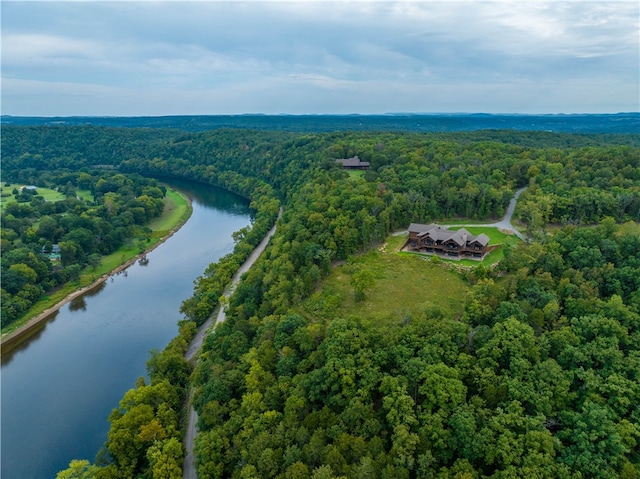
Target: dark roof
{"points": [[482, 238], [438, 233], [419, 228], [355, 161]]}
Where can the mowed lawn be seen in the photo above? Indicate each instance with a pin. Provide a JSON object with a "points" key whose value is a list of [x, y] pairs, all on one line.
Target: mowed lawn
{"points": [[47, 193], [176, 211], [404, 286]]}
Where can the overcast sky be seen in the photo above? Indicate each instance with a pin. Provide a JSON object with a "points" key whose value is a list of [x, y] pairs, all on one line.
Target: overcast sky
{"points": [[125, 58]]}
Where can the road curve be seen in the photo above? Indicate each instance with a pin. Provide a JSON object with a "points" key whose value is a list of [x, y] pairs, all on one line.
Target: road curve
{"points": [[189, 465], [505, 223]]}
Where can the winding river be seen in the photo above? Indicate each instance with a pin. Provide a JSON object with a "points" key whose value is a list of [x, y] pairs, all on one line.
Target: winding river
{"points": [[60, 385]]}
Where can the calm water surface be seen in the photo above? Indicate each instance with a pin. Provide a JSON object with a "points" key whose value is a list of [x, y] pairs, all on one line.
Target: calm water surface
{"points": [[58, 388]]}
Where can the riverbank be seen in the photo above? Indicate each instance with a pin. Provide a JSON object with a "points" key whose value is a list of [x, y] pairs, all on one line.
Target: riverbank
{"points": [[178, 209], [219, 315]]}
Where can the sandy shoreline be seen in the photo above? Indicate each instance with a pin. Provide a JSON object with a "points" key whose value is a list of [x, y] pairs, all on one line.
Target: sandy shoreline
{"points": [[13, 339]]}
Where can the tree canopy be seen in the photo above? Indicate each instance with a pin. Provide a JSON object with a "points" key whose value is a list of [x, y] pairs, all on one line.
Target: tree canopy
{"points": [[538, 376]]}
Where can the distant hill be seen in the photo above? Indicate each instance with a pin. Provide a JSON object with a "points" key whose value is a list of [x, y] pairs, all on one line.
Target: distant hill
{"points": [[400, 122]]}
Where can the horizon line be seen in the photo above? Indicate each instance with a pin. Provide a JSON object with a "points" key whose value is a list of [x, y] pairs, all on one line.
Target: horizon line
{"points": [[456, 113]]}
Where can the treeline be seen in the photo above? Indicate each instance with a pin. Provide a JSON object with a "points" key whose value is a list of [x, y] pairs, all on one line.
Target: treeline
{"points": [[34, 149], [581, 187], [436, 175], [80, 231]]}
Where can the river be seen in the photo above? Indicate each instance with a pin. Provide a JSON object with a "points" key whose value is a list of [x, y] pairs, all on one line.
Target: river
{"points": [[59, 386]]}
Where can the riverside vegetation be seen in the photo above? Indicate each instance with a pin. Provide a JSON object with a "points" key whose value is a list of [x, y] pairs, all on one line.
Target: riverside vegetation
{"points": [[528, 368], [59, 237]]}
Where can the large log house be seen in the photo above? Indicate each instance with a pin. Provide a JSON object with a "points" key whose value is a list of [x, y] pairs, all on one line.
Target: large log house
{"points": [[435, 239]]}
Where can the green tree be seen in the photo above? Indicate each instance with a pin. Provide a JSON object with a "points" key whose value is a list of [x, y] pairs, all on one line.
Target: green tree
{"points": [[362, 281]]}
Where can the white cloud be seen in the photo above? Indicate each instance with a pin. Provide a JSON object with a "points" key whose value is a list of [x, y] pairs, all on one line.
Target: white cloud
{"points": [[30, 47], [310, 56]]}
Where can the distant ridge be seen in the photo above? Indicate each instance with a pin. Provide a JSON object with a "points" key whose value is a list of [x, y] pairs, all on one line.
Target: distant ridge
{"points": [[620, 123]]}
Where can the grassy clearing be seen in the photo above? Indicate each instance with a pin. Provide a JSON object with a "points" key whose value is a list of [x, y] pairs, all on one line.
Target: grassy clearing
{"points": [[355, 173], [395, 242], [47, 193], [85, 195], [176, 211], [460, 221], [404, 286]]}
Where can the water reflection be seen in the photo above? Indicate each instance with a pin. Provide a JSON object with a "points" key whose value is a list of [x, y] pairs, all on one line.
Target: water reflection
{"points": [[9, 350], [78, 304], [59, 386]]}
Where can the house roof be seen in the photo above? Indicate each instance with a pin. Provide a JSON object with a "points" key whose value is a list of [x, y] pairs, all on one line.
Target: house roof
{"points": [[419, 228], [438, 233], [55, 248], [483, 239], [355, 161]]}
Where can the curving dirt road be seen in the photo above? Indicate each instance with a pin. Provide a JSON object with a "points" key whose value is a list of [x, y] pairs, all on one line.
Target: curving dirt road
{"points": [[189, 465], [505, 223]]}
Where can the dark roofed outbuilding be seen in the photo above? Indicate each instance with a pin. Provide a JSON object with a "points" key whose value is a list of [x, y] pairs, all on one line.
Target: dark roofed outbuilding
{"points": [[354, 163]]}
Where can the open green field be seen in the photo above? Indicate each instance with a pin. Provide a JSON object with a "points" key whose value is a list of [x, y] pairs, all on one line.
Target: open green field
{"points": [[176, 211], [355, 173], [85, 195], [47, 193], [404, 286]]}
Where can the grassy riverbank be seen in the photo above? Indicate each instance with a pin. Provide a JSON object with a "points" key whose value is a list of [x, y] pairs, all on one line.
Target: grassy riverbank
{"points": [[177, 211]]}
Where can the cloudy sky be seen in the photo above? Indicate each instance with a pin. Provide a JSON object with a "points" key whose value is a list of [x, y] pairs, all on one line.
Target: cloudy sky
{"points": [[212, 57]]}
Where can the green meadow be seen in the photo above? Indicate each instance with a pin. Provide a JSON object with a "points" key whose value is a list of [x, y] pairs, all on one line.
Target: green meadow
{"points": [[48, 194], [403, 287]]}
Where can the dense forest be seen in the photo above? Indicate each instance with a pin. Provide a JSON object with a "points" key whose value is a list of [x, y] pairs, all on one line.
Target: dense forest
{"points": [[400, 122], [539, 375]]}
